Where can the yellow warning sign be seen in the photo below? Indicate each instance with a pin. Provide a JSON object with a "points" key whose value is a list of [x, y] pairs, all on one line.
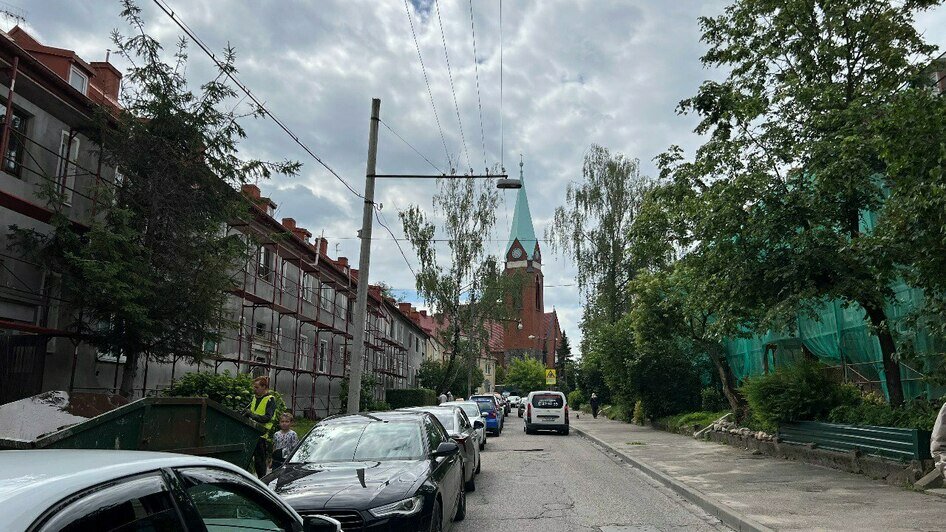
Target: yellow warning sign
{"points": [[549, 376]]}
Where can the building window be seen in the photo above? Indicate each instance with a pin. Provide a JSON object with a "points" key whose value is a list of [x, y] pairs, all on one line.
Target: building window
{"points": [[13, 158], [210, 346], [303, 345], [328, 295], [265, 267], [66, 173], [79, 80], [306, 286], [323, 349], [488, 369], [538, 294]]}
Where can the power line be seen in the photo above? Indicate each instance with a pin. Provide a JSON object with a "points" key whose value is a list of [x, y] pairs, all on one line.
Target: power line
{"points": [[456, 104], [260, 106], [396, 241], [479, 102], [423, 68], [435, 167]]}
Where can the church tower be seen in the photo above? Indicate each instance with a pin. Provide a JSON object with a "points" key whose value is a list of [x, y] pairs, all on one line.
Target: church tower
{"points": [[524, 260]]}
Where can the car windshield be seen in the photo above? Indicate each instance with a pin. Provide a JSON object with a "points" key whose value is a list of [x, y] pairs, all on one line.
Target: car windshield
{"points": [[485, 405], [446, 419], [547, 400], [472, 411], [358, 442]]}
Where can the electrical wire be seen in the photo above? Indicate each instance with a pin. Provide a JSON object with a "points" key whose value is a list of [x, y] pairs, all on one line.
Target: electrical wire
{"points": [[456, 104], [479, 102], [260, 106], [430, 93], [432, 165], [377, 216]]}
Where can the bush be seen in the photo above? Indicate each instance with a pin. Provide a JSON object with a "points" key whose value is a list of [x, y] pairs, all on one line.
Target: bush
{"points": [[616, 413], [712, 399], [638, 413], [232, 391], [918, 414], [800, 392], [366, 402], [402, 398], [576, 399], [380, 406]]}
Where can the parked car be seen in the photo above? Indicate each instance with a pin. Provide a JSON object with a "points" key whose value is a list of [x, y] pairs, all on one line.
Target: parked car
{"points": [[546, 410], [462, 431], [491, 411], [376, 471], [78, 490], [502, 402], [514, 401], [522, 406], [473, 412]]}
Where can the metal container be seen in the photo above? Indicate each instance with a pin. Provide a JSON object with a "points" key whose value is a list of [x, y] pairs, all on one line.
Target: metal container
{"points": [[190, 425]]}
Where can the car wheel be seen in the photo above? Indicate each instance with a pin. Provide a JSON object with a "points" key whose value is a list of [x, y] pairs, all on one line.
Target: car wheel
{"points": [[461, 507], [529, 430], [436, 518], [479, 466], [482, 445], [470, 485], [565, 431]]}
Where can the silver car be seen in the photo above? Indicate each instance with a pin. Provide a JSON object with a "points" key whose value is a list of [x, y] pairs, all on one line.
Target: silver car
{"points": [[472, 411]]}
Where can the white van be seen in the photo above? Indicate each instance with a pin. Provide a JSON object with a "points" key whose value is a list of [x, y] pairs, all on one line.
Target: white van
{"points": [[546, 410]]}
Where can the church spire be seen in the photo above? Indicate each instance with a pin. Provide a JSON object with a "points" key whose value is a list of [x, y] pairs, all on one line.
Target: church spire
{"points": [[522, 230]]}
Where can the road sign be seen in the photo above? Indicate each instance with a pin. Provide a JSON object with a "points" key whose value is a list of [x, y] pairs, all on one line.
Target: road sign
{"points": [[549, 377]]}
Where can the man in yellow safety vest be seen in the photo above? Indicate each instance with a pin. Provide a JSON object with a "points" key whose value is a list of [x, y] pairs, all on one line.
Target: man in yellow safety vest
{"points": [[263, 411]]}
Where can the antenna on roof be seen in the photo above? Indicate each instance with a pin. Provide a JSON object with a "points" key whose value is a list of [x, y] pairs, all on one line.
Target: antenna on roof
{"points": [[9, 11]]}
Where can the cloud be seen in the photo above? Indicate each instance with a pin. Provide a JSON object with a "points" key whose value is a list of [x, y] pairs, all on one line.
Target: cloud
{"points": [[574, 72]]}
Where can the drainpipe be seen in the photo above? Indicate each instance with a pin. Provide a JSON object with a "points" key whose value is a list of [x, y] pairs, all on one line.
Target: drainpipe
{"points": [[8, 117]]}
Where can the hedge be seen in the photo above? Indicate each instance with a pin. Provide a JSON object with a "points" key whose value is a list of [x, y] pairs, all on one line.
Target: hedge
{"points": [[402, 398]]}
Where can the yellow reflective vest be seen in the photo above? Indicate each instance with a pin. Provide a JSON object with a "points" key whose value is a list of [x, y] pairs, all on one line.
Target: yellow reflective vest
{"points": [[258, 407]]}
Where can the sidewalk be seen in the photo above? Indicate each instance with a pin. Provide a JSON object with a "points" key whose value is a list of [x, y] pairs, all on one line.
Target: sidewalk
{"points": [[770, 492]]}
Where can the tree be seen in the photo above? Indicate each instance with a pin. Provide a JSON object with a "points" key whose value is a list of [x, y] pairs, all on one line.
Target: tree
{"points": [[526, 375], [433, 372], [592, 229], [566, 366], [500, 374], [780, 198], [149, 277], [468, 290]]}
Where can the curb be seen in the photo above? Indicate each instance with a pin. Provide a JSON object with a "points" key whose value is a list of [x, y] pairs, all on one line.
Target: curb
{"points": [[728, 516]]}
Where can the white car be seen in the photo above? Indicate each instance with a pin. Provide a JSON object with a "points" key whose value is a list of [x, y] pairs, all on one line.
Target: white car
{"points": [[473, 412], [546, 410], [53, 490], [514, 401]]}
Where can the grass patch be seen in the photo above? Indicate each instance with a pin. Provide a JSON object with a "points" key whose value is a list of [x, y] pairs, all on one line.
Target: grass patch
{"points": [[302, 426], [675, 423]]}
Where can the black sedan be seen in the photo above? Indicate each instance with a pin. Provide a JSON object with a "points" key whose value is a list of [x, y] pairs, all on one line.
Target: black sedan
{"points": [[463, 431], [379, 471]]}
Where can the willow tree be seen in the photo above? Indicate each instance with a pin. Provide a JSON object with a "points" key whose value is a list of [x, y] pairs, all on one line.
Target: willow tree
{"points": [[464, 286], [788, 192], [592, 226], [149, 277]]}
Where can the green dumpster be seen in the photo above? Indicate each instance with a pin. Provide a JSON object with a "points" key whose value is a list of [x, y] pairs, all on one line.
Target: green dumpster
{"points": [[190, 425]]}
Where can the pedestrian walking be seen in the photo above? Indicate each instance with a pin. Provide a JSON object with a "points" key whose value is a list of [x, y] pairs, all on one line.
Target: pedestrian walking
{"points": [[263, 411], [442, 399], [449, 396], [284, 440], [938, 441], [595, 402]]}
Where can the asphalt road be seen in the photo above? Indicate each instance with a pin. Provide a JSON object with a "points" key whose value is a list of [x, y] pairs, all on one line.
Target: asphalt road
{"points": [[550, 483]]}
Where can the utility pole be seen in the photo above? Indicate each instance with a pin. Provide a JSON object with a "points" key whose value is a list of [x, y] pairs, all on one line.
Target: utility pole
{"points": [[364, 261]]}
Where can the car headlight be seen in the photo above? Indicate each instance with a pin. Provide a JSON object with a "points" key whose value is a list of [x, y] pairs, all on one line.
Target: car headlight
{"points": [[406, 507]]}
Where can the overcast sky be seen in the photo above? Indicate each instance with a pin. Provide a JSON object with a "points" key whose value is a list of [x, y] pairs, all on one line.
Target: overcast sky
{"points": [[574, 73]]}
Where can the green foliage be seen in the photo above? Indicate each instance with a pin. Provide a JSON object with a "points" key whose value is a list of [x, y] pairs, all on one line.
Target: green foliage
{"points": [[500, 374], [149, 277], [434, 372], [917, 414], [576, 399], [402, 398], [638, 416], [617, 413], [526, 375], [366, 403], [712, 400], [800, 392], [233, 391], [688, 420]]}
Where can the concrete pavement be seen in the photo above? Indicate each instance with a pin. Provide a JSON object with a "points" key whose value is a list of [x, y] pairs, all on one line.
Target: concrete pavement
{"points": [[774, 493], [552, 483]]}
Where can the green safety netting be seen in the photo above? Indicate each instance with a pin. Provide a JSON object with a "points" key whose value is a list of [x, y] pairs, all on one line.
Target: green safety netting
{"points": [[839, 335]]}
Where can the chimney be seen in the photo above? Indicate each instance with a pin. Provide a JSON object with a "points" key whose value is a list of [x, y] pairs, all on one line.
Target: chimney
{"points": [[289, 223], [323, 246], [302, 233], [423, 313], [107, 78], [343, 262], [250, 191], [404, 307]]}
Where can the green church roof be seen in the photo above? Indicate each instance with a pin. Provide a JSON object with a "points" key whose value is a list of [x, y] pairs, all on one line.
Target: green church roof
{"points": [[522, 228]]}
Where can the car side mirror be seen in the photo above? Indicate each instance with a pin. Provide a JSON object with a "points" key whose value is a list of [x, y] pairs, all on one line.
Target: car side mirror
{"points": [[321, 523], [484, 414], [446, 448], [478, 424]]}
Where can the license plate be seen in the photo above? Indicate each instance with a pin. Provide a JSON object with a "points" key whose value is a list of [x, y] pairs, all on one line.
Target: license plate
{"points": [[548, 417]]}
